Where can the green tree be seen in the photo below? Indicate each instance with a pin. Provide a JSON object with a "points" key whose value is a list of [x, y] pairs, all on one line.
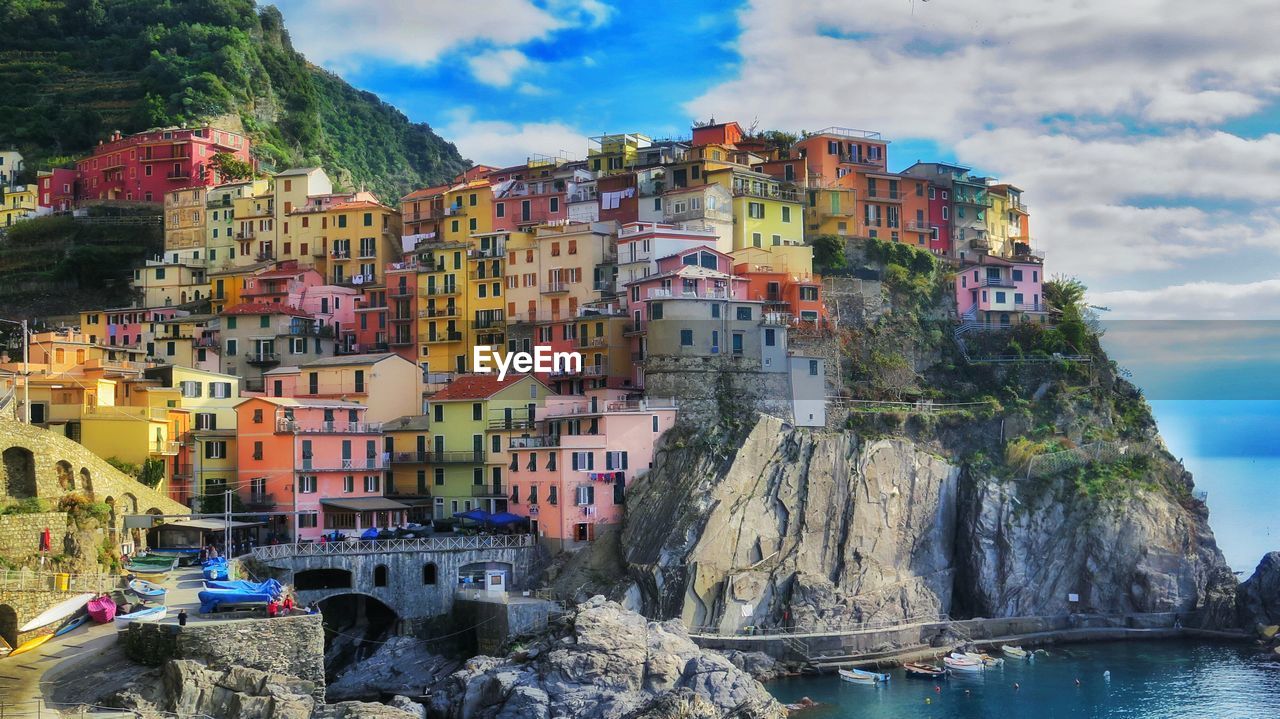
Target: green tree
{"points": [[231, 168], [152, 472], [1062, 292], [828, 252]]}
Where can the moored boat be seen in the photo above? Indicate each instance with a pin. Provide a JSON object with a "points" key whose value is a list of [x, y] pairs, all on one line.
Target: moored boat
{"points": [[984, 659], [56, 613], [961, 664], [152, 577], [71, 624], [146, 589], [916, 670], [1015, 652], [184, 555], [152, 562], [30, 644], [150, 614], [861, 676]]}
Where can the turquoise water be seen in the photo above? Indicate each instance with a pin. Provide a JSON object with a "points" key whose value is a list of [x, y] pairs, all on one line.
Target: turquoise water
{"points": [[1165, 679]]}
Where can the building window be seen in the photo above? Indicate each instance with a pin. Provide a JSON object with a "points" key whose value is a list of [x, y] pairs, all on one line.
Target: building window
{"points": [[380, 575], [429, 574], [308, 520], [348, 484], [686, 338], [743, 313], [307, 484], [583, 461], [755, 210], [813, 368], [786, 213], [372, 483]]}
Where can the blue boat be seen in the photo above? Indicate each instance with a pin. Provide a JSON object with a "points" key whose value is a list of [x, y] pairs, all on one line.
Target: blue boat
{"points": [[71, 624], [211, 600], [270, 586], [147, 590]]}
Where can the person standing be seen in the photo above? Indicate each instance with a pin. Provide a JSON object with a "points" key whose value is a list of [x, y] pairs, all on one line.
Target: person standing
{"points": [[182, 617]]}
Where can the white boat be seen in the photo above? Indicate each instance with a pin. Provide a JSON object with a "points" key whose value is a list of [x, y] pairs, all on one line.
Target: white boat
{"points": [[1015, 652], [150, 614], [983, 659], [962, 664], [57, 612], [859, 676]]}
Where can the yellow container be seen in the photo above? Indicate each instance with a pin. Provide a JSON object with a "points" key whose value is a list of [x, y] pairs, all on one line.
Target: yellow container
{"points": [[61, 582]]}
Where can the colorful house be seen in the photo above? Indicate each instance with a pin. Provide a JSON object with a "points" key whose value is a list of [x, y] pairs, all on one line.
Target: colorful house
{"points": [[57, 189], [257, 338], [995, 293], [206, 463], [145, 166], [387, 384], [318, 458], [17, 203]]}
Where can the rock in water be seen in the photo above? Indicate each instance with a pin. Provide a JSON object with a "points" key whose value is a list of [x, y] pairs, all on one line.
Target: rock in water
{"points": [[605, 663], [1258, 597]]}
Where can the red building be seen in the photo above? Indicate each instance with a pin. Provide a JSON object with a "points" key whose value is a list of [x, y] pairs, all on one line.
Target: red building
{"points": [[57, 189], [940, 219], [142, 167]]}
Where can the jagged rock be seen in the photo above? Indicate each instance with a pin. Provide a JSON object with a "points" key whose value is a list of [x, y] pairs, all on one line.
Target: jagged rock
{"points": [[815, 529], [618, 665], [402, 665], [759, 665], [1258, 597], [409, 706], [359, 710]]}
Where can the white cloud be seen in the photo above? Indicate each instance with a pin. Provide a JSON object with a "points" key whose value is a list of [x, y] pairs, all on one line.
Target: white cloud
{"points": [[498, 67], [340, 33], [496, 142], [1046, 94], [1194, 301]]}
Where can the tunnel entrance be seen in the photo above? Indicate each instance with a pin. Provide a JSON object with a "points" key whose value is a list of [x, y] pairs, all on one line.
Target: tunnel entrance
{"points": [[322, 579], [355, 626]]}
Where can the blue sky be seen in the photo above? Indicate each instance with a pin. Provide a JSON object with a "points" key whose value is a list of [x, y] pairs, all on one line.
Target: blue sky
{"points": [[1143, 132]]}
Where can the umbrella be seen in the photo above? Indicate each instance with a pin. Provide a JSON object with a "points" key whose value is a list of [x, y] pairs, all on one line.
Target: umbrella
{"points": [[478, 515], [506, 518]]}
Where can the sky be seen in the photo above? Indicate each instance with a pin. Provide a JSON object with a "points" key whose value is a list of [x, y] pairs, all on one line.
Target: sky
{"points": [[1143, 133]]}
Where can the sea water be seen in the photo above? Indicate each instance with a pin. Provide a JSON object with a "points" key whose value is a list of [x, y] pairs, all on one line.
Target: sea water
{"points": [[1166, 679]]}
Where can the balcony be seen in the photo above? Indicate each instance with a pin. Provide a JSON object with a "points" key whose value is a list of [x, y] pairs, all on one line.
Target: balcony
{"points": [[439, 312], [996, 282], [767, 193], [441, 290], [533, 442], [259, 500], [475, 457], [401, 342], [166, 448], [554, 288], [776, 319], [403, 318], [340, 255], [605, 286], [331, 427], [206, 342], [885, 195], [918, 227], [667, 293], [496, 489], [249, 235], [182, 473], [178, 176], [634, 328], [848, 159], [980, 199], [443, 337], [371, 464], [401, 291], [514, 422], [259, 359]]}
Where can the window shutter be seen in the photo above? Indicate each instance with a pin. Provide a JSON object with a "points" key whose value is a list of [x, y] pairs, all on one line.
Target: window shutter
{"points": [[575, 461], [591, 494], [608, 460], [624, 460]]}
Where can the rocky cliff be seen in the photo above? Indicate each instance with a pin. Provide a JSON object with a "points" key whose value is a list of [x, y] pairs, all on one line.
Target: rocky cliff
{"points": [[603, 662], [823, 529], [1258, 598]]}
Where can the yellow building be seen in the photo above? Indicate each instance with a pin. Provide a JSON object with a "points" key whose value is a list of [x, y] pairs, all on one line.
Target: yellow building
{"points": [[611, 154], [469, 211], [486, 307], [210, 399], [17, 203], [185, 232], [220, 220], [830, 211], [189, 341], [443, 294], [226, 287], [464, 451], [255, 223], [997, 220], [165, 285], [363, 237], [765, 214], [387, 384]]}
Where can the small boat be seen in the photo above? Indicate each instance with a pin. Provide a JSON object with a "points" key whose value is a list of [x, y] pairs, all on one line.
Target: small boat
{"points": [[1015, 652], [150, 614], [860, 676], [184, 555], [984, 659], [72, 624], [152, 577], [146, 589], [30, 644], [916, 670], [151, 564], [56, 613], [102, 609], [961, 664]]}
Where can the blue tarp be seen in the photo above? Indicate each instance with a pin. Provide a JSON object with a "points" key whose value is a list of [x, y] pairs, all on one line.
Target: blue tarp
{"points": [[216, 571], [478, 515], [505, 518], [211, 599], [270, 586], [215, 560], [370, 533]]}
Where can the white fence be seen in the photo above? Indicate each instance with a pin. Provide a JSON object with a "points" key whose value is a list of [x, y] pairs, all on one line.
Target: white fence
{"points": [[382, 546], [19, 580]]}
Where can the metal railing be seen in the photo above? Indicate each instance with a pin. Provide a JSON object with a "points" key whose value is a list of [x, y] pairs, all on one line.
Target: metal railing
{"points": [[840, 628], [331, 427], [382, 546], [18, 580]]}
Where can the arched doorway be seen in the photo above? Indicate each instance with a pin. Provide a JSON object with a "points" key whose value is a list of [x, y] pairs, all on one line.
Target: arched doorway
{"points": [[19, 473], [9, 625], [66, 480], [86, 482], [355, 626]]}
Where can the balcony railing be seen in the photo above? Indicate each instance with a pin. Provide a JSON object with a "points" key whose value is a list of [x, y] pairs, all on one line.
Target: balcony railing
{"points": [[343, 465], [918, 227], [448, 457], [533, 442], [496, 489], [715, 293], [165, 447], [259, 500], [444, 337], [400, 291], [439, 312], [331, 427], [552, 288], [438, 290], [766, 193], [257, 358], [885, 195], [995, 282], [634, 328]]}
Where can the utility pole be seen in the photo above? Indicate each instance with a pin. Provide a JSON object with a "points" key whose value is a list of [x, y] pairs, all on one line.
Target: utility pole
{"points": [[226, 517], [26, 373]]}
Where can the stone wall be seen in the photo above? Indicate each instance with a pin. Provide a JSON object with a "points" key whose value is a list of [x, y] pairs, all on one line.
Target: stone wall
{"points": [[20, 534], [497, 621], [19, 607], [283, 645], [711, 387]]}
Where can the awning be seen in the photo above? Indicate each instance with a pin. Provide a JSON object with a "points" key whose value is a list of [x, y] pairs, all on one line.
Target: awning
{"points": [[363, 504], [209, 525], [478, 515], [506, 518]]}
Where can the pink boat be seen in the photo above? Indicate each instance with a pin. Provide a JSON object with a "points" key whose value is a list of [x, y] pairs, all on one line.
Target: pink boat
{"points": [[102, 609]]}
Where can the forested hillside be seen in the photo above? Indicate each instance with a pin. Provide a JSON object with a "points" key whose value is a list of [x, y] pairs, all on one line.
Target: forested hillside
{"points": [[73, 70]]}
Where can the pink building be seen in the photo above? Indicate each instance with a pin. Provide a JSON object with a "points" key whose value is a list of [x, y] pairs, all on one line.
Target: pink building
{"points": [[994, 292], [570, 479], [127, 327], [303, 288], [57, 189], [316, 457], [525, 196], [940, 219], [143, 167]]}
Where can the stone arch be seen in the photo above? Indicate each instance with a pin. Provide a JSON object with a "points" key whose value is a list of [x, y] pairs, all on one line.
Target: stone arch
{"points": [[380, 575], [429, 573], [112, 519], [9, 625], [130, 503], [153, 510], [86, 482], [66, 480], [19, 473], [325, 578]]}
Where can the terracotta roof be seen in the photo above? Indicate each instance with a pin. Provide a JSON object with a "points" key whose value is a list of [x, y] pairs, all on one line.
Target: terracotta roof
{"points": [[474, 386], [425, 192], [363, 359], [262, 308], [286, 272], [358, 204]]}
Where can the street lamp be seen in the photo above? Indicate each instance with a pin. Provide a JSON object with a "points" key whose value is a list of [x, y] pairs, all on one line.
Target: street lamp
{"points": [[26, 371]]}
